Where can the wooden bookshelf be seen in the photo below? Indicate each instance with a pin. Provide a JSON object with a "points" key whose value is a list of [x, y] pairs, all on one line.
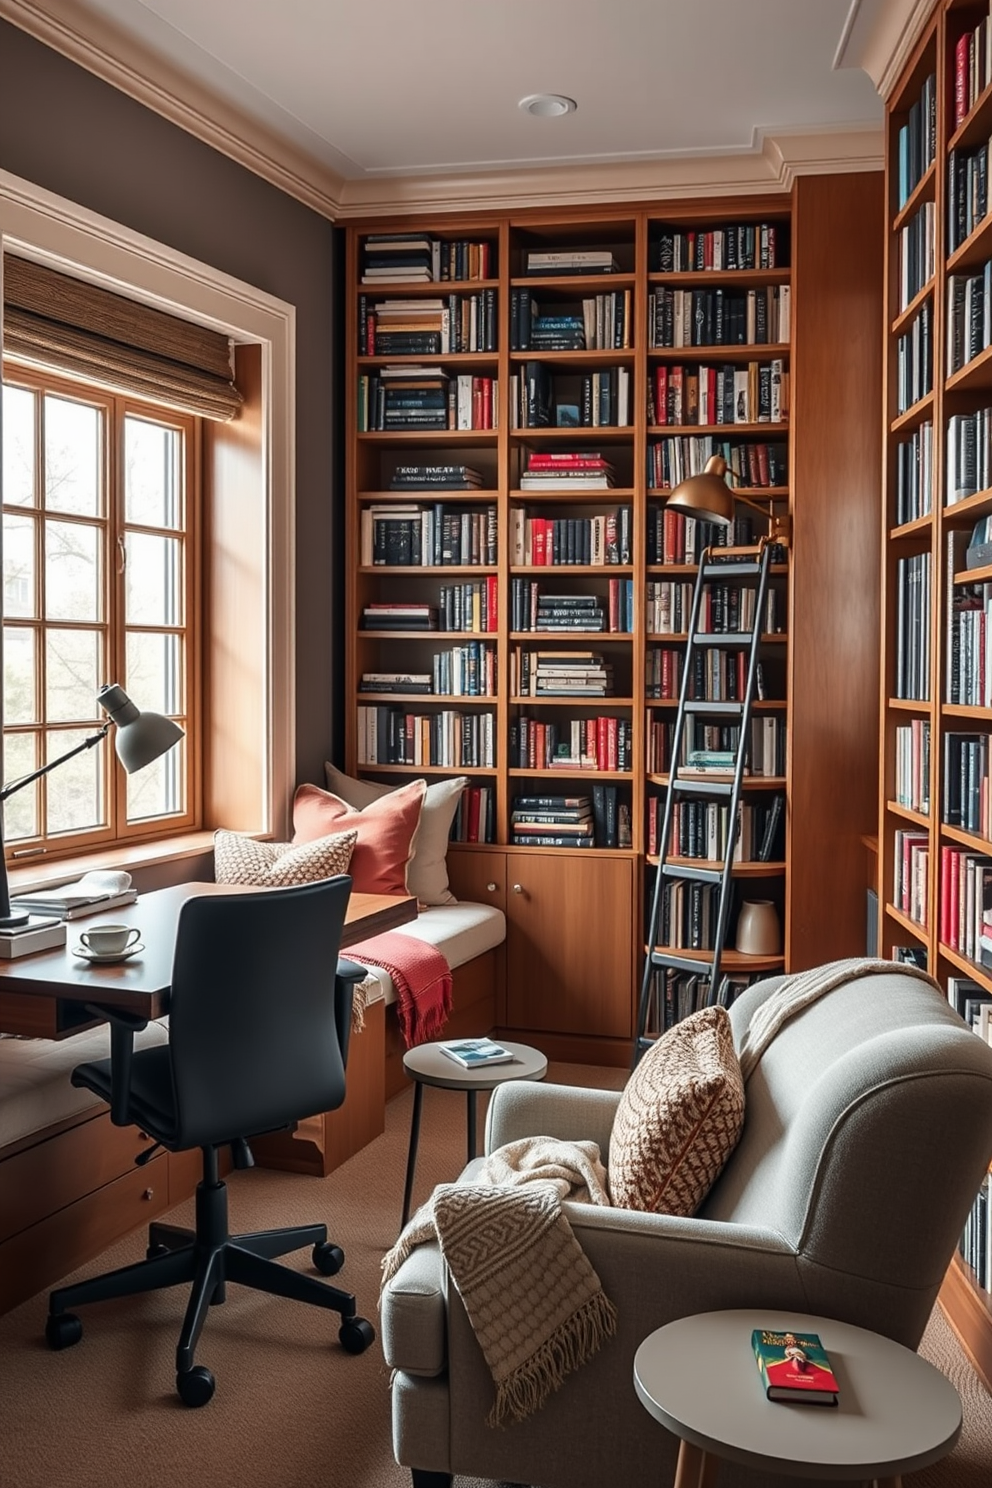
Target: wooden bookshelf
{"points": [[574, 949], [922, 715]]}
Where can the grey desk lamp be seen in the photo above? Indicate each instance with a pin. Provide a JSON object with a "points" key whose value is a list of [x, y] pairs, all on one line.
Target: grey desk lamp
{"points": [[140, 739]]}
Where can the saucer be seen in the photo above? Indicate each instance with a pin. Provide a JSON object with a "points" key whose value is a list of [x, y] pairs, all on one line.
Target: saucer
{"points": [[106, 958]]}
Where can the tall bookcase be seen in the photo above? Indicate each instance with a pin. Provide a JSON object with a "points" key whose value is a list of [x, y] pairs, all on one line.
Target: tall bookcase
{"points": [[575, 917], [934, 828]]}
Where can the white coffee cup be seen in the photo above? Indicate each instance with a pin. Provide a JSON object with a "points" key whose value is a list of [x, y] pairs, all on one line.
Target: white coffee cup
{"points": [[109, 940]]}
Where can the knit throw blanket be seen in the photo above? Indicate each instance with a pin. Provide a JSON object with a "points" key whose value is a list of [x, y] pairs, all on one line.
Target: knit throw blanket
{"points": [[798, 991], [535, 1303], [421, 977]]}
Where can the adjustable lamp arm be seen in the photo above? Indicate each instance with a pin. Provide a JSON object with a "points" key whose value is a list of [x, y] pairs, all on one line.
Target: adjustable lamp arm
{"points": [[16, 785]]}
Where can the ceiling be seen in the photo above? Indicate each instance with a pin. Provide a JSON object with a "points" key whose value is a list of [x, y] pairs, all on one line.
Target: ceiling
{"points": [[430, 87]]}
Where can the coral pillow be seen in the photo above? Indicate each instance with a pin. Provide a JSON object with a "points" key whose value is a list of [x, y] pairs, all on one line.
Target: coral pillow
{"points": [[386, 828], [679, 1118], [243, 860]]}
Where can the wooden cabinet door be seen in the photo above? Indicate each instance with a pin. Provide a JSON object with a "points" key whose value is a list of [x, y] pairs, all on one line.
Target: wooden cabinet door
{"points": [[479, 877], [569, 944]]}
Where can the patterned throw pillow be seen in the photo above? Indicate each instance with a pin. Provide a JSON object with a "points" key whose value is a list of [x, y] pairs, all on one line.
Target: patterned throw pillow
{"points": [[679, 1118], [241, 860]]}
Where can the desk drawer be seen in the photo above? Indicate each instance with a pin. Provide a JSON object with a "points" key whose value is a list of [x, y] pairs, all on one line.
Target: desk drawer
{"points": [[58, 1170]]}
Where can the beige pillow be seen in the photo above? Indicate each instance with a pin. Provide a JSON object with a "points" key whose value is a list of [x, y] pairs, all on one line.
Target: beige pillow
{"points": [[427, 871], [242, 860], [680, 1117]]}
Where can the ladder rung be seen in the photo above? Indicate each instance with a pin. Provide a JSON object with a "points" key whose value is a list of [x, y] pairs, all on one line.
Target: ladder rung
{"points": [[695, 875], [722, 638], [726, 708], [676, 962], [703, 785], [731, 568]]}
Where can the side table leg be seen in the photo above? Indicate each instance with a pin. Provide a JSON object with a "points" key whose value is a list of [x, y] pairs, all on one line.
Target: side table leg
{"points": [[471, 1124], [887, 1482], [411, 1159], [695, 1469]]}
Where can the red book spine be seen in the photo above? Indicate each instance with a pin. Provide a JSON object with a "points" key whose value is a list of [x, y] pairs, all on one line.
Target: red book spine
{"points": [[961, 66], [612, 733], [472, 827], [661, 394], [953, 873], [370, 336], [945, 895]]}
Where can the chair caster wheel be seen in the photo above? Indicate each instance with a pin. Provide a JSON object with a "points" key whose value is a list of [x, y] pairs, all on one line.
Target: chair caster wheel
{"points": [[328, 1258], [356, 1334], [196, 1386], [154, 1251], [62, 1330]]}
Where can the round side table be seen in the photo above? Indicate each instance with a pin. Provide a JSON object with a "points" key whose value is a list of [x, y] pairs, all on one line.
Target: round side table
{"points": [[895, 1413], [427, 1064]]}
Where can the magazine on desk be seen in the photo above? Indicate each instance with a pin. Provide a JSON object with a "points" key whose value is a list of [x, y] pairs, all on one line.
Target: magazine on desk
{"points": [[93, 892]]}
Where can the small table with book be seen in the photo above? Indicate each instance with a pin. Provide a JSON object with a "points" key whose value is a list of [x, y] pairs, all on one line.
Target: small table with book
{"points": [[463, 1064], [700, 1377]]}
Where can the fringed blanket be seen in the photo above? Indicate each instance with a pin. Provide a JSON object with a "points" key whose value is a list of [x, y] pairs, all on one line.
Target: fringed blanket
{"points": [[798, 991], [421, 977], [534, 1301]]}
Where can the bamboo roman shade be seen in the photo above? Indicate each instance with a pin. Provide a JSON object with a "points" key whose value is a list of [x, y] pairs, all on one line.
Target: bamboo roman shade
{"points": [[67, 325]]}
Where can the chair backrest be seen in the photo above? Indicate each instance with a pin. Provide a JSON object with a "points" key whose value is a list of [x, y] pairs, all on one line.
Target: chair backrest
{"points": [[254, 1032], [868, 1130]]}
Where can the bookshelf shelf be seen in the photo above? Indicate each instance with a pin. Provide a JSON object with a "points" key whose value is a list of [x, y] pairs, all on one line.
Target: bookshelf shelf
{"points": [[906, 317], [923, 191]]}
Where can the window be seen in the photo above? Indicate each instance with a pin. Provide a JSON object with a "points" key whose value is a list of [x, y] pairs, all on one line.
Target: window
{"points": [[100, 511]]}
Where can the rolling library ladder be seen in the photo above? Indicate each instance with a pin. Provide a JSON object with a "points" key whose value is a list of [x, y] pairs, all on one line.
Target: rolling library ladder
{"points": [[741, 563]]}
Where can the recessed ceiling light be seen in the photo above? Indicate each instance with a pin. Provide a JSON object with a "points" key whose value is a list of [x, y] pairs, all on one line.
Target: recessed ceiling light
{"points": [[547, 105]]}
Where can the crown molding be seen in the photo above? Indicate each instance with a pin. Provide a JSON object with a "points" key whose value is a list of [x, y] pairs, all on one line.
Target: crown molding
{"points": [[884, 49], [771, 164]]}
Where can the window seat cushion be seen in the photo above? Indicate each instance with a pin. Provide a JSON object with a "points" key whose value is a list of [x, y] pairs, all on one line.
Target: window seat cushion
{"points": [[459, 931]]}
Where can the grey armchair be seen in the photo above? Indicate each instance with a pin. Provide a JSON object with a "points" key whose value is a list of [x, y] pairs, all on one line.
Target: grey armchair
{"points": [[868, 1129]]}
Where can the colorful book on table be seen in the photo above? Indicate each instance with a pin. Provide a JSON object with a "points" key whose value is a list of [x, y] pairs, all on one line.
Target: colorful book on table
{"points": [[794, 1367]]}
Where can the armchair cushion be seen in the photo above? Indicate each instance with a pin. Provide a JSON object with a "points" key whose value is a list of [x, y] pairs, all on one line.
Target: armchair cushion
{"points": [[679, 1118]]}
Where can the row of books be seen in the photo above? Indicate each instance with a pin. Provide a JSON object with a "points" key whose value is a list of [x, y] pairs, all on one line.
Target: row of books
{"points": [[916, 144], [972, 1003], [723, 608], [914, 475], [975, 1244], [700, 830], [912, 765], [591, 400], [910, 873], [688, 915], [702, 736], [913, 587], [567, 470], [966, 903], [757, 393], [599, 322], [436, 478], [719, 317], [461, 607], [427, 327], [672, 537], [549, 542], [754, 463], [969, 664], [739, 245], [600, 743], [600, 819], [719, 674], [475, 815], [966, 800], [458, 741], [916, 258], [531, 609], [967, 192], [968, 455], [545, 263], [417, 257], [398, 535], [914, 360], [675, 995], [581, 674], [462, 671], [426, 400], [969, 316], [972, 68]]}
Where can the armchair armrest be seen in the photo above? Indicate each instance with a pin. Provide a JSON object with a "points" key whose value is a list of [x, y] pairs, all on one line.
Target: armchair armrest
{"points": [[522, 1108]]}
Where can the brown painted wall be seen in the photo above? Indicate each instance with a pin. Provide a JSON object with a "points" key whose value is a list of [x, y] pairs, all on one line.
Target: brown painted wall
{"points": [[64, 129]]}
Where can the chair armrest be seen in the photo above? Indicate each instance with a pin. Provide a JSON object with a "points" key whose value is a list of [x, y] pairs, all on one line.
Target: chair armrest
{"points": [[524, 1108], [123, 1027]]}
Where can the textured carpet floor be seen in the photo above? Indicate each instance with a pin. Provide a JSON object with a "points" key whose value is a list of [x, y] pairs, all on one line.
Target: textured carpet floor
{"points": [[291, 1410]]}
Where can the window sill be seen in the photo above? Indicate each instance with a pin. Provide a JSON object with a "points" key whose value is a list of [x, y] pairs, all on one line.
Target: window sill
{"points": [[29, 877]]}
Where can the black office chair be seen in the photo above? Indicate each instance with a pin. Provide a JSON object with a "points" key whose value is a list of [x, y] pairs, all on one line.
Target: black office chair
{"points": [[259, 1021]]}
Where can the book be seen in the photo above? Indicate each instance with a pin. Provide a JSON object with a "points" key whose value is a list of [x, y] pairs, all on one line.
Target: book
{"points": [[98, 890], [794, 1367], [475, 1052], [41, 933]]}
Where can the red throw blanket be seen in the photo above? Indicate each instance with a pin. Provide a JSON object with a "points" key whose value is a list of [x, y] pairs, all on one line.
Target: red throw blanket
{"points": [[421, 976]]}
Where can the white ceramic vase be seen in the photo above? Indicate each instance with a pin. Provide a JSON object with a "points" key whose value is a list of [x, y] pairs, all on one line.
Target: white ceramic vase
{"points": [[758, 931]]}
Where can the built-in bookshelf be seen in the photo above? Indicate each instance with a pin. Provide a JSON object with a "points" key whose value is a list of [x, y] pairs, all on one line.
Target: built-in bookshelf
{"points": [[935, 832], [518, 595]]}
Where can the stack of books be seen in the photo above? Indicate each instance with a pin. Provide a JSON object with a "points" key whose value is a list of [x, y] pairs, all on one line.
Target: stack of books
{"points": [[398, 682], [532, 610], [560, 674], [552, 821], [427, 327], [413, 397], [397, 258], [399, 617], [571, 261], [566, 470], [435, 478]]}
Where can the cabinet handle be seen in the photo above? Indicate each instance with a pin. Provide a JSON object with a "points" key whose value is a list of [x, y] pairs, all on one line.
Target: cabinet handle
{"points": [[149, 1193], [491, 887], [518, 888]]}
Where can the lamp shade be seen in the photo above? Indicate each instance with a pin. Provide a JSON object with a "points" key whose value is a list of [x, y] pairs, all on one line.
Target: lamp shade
{"points": [[141, 737], [706, 496]]}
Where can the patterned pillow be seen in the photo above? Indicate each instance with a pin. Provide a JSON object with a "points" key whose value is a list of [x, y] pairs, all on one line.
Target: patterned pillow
{"points": [[241, 860], [679, 1118]]}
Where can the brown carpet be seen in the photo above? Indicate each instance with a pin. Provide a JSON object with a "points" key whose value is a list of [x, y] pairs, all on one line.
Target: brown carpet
{"points": [[291, 1409]]}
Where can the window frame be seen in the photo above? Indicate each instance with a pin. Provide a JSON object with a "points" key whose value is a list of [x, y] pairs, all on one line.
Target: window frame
{"points": [[115, 409]]}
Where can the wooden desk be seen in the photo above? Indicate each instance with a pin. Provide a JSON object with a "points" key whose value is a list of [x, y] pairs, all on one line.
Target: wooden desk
{"points": [[45, 995]]}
